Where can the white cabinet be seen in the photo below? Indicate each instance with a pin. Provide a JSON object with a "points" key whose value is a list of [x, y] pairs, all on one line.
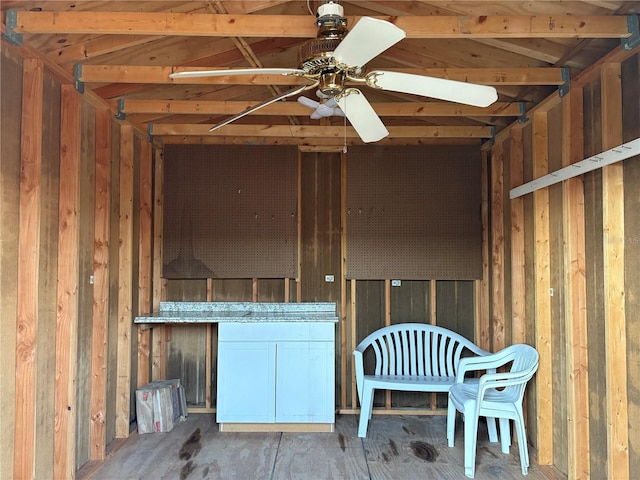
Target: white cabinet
{"points": [[281, 372]]}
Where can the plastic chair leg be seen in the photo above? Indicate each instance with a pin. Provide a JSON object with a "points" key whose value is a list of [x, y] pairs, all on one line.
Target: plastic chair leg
{"points": [[451, 424], [493, 431], [365, 411], [470, 440], [505, 434], [522, 445]]}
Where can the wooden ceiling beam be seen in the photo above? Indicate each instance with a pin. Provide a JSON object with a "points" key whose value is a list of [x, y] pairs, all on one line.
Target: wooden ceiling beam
{"points": [[314, 131], [314, 143], [155, 74], [302, 26], [384, 109]]}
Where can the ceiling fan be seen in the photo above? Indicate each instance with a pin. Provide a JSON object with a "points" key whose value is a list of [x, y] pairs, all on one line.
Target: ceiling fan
{"points": [[336, 56]]}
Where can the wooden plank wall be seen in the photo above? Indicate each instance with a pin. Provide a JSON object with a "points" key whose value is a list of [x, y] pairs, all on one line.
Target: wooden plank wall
{"points": [[631, 129], [60, 219], [10, 110], [580, 272]]}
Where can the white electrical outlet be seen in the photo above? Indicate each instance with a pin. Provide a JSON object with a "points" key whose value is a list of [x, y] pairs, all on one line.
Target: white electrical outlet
{"points": [[329, 278], [396, 283]]}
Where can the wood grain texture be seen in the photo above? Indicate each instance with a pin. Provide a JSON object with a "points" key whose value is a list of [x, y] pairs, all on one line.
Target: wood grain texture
{"points": [[543, 342], [397, 447], [28, 263], [483, 302], [631, 129], [101, 284], [125, 276], [614, 291], [48, 276], [315, 131], [114, 273], [575, 298], [158, 351], [86, 244], [11, 75], [68, 273], [145, 235], [299, 26], [518, 289], [497, 249], [557, 299]]}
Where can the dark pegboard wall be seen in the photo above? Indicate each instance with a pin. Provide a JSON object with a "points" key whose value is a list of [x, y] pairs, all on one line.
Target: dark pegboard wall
{"points": [[229, 211], [414, 213]]}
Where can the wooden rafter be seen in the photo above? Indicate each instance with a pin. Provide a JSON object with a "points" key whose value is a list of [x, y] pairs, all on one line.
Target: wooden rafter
{"points": [[384, 109], [301, 26], [316, 131], [160, 75]]}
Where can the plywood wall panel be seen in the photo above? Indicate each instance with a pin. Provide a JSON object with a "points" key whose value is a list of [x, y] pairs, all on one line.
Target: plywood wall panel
{"points": [[232, 290], [595, 287], [10, 108], [186, 349], [529, 277], [135, 276], [414, 217], [556, 258], [410, 302], [85, 287], [631, 130], [114, 278], [230, 212], [320, 226], [48, 277], [271, 290], [454, 307], [370, 316]]}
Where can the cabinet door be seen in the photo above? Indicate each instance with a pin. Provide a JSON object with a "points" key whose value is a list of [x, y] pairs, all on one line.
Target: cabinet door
{"points": [[305, 382], [246, 379]]}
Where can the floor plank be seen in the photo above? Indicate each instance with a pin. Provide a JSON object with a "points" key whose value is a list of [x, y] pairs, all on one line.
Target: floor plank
{"points": [[397, 447]]}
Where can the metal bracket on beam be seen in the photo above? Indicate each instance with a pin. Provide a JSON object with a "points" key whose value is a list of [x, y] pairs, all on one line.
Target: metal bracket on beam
{"points": [[566, 77], [155, 141], [523, 113], [77, 73], [492, 140], [10, 34], [120, 115], [633, 40]]}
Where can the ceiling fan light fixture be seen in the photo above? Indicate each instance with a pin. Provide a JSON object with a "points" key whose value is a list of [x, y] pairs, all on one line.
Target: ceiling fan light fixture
{"points": [[331, 82]]}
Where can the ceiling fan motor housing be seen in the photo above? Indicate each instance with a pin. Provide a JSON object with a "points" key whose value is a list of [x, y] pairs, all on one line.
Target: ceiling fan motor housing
{"points": [[315, 56]]}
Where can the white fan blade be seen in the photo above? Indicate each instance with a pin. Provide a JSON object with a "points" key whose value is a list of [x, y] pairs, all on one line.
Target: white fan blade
{"points": [[307, 102], [237, 71], [366, 40], [440, 88], [287, 94], [362, 116]]}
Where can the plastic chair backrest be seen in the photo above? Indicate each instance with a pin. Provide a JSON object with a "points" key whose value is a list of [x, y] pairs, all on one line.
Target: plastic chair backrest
{"points": [[416, 349]]}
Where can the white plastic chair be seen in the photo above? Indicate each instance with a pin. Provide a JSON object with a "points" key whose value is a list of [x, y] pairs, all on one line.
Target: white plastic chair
{"points": [[496, 395]]}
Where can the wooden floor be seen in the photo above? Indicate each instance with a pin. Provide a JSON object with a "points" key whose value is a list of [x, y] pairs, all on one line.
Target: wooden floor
{"points": [[397, 447]]}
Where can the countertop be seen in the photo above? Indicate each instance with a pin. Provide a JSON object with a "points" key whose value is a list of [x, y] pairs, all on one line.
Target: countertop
{"points": [[241, 312]]}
